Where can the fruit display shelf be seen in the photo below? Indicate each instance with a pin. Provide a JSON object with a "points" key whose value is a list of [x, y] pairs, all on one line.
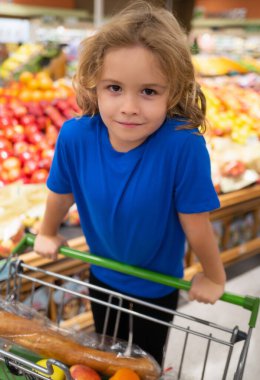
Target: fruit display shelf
{"points": [[233, 134], [32, 112]]}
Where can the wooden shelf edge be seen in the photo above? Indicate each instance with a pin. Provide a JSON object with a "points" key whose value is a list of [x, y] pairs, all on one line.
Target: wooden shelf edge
{"points": [[229, 256]]}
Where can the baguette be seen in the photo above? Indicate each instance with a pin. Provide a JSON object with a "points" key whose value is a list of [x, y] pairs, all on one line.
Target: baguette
{"points": [[41, 339]]}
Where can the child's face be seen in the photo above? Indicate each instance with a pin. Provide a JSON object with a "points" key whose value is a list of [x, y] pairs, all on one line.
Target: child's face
{"points": [[132, 95]]}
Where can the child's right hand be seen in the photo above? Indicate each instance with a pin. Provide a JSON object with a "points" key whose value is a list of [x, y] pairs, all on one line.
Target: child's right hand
{"points": [[48, 246]]}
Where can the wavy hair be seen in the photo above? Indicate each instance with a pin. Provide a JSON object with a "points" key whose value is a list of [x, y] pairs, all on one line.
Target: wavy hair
{"points": [[156, 29]]}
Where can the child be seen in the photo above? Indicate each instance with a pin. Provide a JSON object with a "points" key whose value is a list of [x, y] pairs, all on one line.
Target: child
{"points": [[137, 166]]}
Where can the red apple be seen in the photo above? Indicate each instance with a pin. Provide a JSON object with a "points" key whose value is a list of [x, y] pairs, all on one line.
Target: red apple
{"points": [[34, 109], [27, 119], [29, 167], [62, 104], [45, 163], [20, 147], [51, 134], [10, 169], [73, 104], [19, 110], [68, 113], [26, 156], [82, 372], [5, 143], [39, 176], [43, 122], [36, 137], [31, 129], [5, 121], [4, 154], [15, 133], [14, 174], [4, 175], [42, 144], [46, 158], [48, 153], [11, 163], [33, 149], [43, 104]]}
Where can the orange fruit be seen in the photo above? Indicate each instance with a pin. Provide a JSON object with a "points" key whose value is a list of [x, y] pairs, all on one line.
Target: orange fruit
{"points": [[48, 95], [26, 77], [25, 96], [125, 374], [45, 83], [42, 75], [33, 84], [36, 95]]}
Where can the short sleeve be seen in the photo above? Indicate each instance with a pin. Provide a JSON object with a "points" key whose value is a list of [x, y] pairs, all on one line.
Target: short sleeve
{"points": [[59, 178], [194, 189]]}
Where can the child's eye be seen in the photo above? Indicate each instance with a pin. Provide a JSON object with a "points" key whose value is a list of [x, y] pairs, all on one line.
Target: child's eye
{"points": [[149, 91], [114, 88]]}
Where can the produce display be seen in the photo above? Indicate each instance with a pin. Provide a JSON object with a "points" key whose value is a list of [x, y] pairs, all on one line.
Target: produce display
{"points": [[32, 112], [217, 65], [233, 107], [233, 134], [27, 57]]}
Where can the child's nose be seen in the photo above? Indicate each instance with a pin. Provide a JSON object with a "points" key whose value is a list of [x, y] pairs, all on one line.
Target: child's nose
{"points": [[130, 105]]}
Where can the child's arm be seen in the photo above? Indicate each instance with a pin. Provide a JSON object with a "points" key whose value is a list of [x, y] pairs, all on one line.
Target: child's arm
{"points": [[48, 240], [208, 286]]}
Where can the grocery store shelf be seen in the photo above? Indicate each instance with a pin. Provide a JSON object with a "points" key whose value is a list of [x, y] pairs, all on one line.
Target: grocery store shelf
{"points": [[217, 22], [28, 11], [237, 204]]}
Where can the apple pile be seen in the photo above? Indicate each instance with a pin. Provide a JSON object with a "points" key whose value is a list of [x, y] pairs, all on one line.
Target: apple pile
{"points": [[29, 127]]}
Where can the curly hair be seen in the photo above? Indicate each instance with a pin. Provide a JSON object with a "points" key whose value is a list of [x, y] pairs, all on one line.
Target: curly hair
{"points": [[156, 29]]}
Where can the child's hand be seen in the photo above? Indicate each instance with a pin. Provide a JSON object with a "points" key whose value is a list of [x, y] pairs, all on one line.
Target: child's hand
{"points": [[48, 246], [204, 290]]}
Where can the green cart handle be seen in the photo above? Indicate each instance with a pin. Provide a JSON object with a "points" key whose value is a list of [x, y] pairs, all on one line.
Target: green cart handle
{"points": [[247, 302]]}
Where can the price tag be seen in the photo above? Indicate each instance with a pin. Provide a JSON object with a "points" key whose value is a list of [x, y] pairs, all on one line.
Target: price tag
{"points": [[14, 31]]}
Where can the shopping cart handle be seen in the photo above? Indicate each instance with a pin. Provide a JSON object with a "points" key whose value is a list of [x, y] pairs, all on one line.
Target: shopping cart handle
{"points": [[247, 302]]}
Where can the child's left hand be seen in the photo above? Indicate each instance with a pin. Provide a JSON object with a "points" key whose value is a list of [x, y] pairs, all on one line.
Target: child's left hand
{"points": [[204, 290]]}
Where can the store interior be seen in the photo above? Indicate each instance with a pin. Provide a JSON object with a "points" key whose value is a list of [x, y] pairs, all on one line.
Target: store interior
{"points": [[39, 42]]}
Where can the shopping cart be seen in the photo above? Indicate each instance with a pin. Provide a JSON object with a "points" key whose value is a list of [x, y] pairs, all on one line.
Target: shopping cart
{"points": [[233, 342]]}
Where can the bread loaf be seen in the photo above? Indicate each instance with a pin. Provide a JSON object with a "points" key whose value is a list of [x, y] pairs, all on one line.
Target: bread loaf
{"points": [[35, 336]]}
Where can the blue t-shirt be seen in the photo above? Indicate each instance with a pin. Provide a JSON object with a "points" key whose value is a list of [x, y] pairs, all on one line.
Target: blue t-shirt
{"points": [[128, 203]]}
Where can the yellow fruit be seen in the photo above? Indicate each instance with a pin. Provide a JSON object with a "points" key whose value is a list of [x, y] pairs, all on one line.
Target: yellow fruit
{"points": [[58, 374]]}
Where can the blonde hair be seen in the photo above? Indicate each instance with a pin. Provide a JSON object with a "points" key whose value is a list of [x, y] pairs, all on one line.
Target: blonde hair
{"points": [[156, 29]]}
